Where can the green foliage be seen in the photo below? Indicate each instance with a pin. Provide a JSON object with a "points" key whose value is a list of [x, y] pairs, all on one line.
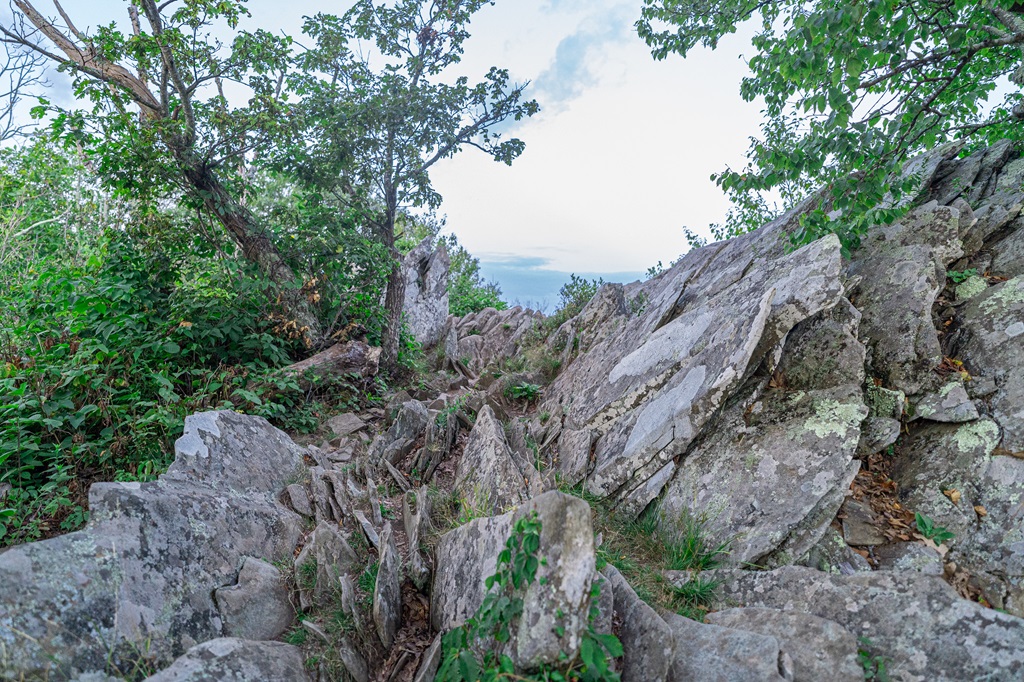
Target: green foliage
{"points": [[875, 665], [575, 294], [961, 276], [110, 336], [523, 390], [691, 550], [852, 90], [926, 526], [472, 652], [468, 292]]}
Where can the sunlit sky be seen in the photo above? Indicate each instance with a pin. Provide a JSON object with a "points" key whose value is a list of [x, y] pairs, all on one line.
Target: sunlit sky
{"points": [[617, 162]]}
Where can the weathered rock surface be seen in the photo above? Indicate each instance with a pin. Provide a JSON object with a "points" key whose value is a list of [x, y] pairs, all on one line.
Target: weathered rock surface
{"points": [[236, 660], [257, 607], [820, 649], [426, 291], [387, 590], [918, 622], [647, 641], [994, 326], [326, 557], [560, 597], [144, 570], [650, 388], [709, 653], [395, 443], [480, 339], [489, 476]]}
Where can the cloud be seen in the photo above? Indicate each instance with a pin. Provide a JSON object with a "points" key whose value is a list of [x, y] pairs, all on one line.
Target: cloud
{"points": [[573, 69]]}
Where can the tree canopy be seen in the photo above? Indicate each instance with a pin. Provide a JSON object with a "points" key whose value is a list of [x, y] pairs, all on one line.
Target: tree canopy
{"points": [[851, 90]]}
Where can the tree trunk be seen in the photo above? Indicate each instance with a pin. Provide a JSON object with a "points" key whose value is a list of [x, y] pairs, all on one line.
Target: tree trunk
{"points": [[257, 247], [394, 303]]}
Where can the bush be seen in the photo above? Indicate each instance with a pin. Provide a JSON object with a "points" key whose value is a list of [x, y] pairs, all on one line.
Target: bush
{"points": [[468, 292]]}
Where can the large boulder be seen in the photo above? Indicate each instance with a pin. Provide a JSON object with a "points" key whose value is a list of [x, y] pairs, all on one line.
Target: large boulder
{"points": [[773, 471], [709, 653], [557, 602], [918, 623], [650, 388], [647, 641], [236, 660], [143, 573], [820, 649], [426, 291], [487, 337]]}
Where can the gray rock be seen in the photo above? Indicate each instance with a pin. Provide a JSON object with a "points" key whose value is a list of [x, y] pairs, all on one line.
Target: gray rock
{"points": [[257, 607], [971, 287], [765, 468], [298, 499], [885, 403], [973, 178], [326, 557], [488, 475], [859, 525], [409, 424], [574, 454], [657, 378], [647, 641], [917, 622], [820, 649], [430, 662], [488, 336], [950, 403], [709, 653], [144, 570], [345, 424], [902, 267], [352, 659], [236, 660], [560, 597], [876, 434], [993, 323], [832, 555], [1008, 259], [909, 556], [387, 591], [426, 291]]}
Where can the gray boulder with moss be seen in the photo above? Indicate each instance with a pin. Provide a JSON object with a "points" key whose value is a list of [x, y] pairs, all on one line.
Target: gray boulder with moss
{"points": [[139, 581]]}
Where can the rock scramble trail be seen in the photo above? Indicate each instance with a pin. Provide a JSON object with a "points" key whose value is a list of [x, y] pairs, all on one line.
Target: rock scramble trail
{"points": [[765, 463]]}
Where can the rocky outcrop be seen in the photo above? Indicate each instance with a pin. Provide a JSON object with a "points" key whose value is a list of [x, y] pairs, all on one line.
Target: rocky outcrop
{"points": [[142, 575], [917, 622], [426, 291], [490, 477], [482, 338]]}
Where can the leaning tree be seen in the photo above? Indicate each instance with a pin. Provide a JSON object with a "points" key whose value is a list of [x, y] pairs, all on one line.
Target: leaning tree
{"points": [[160, 120], [373, 86], [851, 89]]}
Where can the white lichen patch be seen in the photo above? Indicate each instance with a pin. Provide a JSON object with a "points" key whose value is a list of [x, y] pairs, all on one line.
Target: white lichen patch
{"points": [[980, 435], [832, 417]]}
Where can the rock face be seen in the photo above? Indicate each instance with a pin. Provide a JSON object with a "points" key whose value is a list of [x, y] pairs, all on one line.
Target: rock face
{"points": [[651, 388], [489, 476], [479, 339], [426, 291], [144, 571], [917, 622], [559, 598]]}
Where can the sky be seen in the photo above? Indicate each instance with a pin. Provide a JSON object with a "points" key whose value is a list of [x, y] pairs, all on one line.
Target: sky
{"points": [[617, 162]]}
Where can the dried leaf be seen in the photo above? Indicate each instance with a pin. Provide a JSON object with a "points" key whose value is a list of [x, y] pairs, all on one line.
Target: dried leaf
{"points": [[980, 510], [953, 494]]}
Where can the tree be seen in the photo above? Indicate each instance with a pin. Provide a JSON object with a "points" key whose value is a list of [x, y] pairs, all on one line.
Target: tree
{"points": [[185, 136], [852, 89], [373, 79], [468, 291]]}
